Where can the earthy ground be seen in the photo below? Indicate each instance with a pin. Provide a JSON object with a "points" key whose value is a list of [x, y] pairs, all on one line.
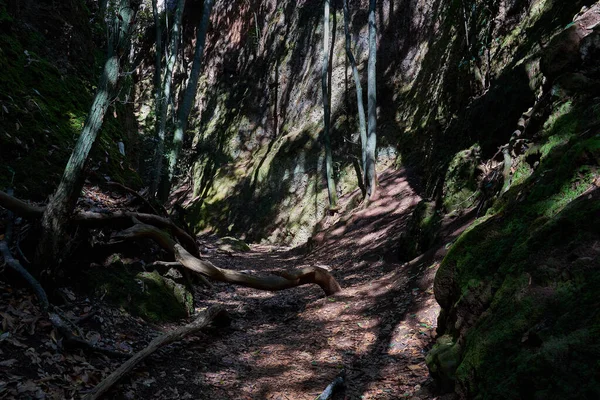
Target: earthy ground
{"points": [[284, 345]]}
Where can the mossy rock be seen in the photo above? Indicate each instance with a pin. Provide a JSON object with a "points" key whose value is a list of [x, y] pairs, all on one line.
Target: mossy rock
{"points": [[229, 243], [421, 231], [460, 185], [146, 294], [443, 360], [519, 288]]}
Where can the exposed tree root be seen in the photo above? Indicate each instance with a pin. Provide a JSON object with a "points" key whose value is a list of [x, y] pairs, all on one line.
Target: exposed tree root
{"points": [[277, 281], [20, 207], [61, 323], [101, 219], [95, 219], [280, 280], [16, 266], [201, 322], [149, 228], [338, 382], [138, 196]]}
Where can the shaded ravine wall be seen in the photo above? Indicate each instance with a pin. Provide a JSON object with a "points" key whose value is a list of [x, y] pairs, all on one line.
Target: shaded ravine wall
{"points": [[254, 165]]}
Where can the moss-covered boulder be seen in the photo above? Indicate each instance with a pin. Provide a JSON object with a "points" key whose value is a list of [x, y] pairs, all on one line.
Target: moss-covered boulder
{"points": [[443, 360], [149, 295], [460, 184], [421, 231], [229, 243], [518, 290]]}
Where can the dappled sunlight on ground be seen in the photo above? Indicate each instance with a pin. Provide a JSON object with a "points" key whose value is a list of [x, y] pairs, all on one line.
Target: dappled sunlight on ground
{"points": [[292, 344]]}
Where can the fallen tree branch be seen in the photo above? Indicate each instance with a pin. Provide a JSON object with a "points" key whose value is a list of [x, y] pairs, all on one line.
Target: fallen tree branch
{"points": [[165, 264], [277, 281], [203, 320]]}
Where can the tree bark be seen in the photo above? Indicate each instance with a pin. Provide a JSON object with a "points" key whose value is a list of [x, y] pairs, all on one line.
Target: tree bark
{"points": [[187, 102], [165, 95], [158, 93], [326, 87], [362, 123], [283, 280], [203, 320], [276, 281], [53, 243], [370, 173]]}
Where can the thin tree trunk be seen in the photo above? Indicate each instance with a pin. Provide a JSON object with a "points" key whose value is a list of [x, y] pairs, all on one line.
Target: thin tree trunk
{"points": [[370, 174], [188, 100], [331, 190], [158, 95], [54, 238], [362, 123], [165, 95]]}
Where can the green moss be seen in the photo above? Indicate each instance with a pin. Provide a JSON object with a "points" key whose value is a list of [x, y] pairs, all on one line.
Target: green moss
{"points": [[521, 281], [421, 231], [460, 185], [232, 244], [46, 111], [443, 360], [146, 294]]}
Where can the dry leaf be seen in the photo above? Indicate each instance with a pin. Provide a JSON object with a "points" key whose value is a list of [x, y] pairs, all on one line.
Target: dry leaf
{"points": [[8, 363]]}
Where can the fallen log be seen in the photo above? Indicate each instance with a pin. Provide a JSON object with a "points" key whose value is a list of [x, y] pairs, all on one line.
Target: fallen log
{"points": [[201, 322], [278, 280]]}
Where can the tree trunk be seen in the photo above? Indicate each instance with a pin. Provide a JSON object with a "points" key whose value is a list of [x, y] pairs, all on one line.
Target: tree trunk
{"points": [[158, 94], [370, 174], [325, 83], [164, 96], [54, 238], [188, 100], [362, 124]]}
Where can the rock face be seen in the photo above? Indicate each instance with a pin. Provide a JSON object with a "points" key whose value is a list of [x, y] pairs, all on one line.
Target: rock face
{"points": [[569, 48], [257, 160], [519, 289], [460, 183]]}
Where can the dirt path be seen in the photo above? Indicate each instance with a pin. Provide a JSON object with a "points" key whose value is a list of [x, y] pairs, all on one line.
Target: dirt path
{"points": [[284, 345], [292, 344]]}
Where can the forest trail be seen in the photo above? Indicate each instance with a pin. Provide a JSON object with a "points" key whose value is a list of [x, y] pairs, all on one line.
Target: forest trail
{"points": [[283, 345], [292, 344]]}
